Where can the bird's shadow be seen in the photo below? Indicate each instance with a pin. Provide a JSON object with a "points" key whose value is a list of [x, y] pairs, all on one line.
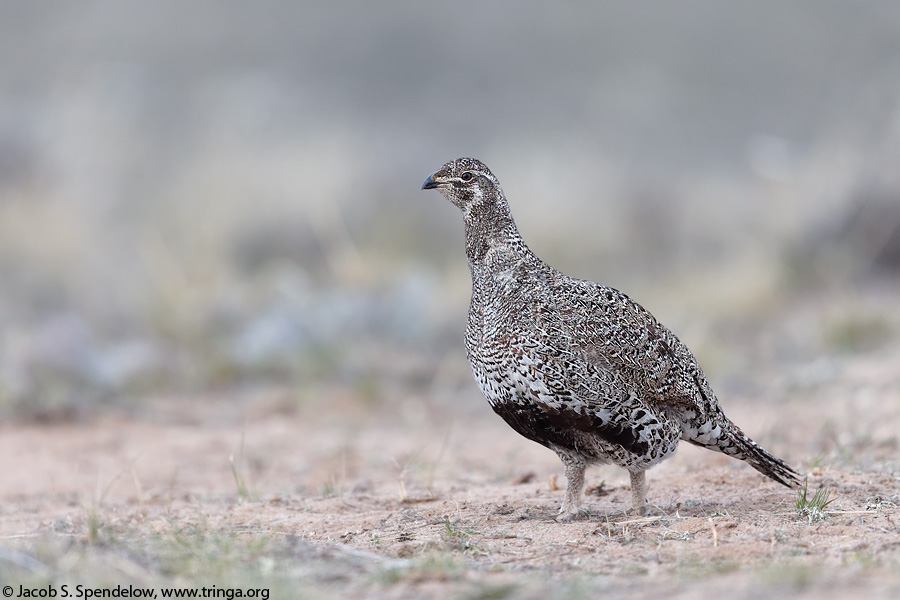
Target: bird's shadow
{"points": [[651, 512]]}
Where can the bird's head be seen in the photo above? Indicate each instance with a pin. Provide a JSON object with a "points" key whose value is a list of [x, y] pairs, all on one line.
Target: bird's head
{"points": [[467, 183]]}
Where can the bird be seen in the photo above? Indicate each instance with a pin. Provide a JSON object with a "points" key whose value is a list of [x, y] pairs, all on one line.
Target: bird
{"points": [[577, 366]]}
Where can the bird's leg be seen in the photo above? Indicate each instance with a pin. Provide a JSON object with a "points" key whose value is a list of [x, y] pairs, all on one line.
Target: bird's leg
{"points": [[638, 491], [574, 486]]}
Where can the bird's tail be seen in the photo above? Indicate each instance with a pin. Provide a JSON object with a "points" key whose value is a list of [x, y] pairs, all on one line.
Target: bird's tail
{"points": [[734, 442]]}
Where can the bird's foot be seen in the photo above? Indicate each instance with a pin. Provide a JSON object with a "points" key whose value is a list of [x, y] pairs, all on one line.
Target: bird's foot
{"points": [[567, 514], [637, 511], [568, 517]]}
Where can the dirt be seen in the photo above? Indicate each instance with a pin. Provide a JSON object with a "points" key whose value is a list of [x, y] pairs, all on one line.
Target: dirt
{"points": [[400, 485]]}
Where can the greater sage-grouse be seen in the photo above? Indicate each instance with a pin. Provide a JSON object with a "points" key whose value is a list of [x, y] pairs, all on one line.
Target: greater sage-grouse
{"points": [[579, 367]]}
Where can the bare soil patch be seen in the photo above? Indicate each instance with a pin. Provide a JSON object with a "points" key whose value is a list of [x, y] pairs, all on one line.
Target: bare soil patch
{"points": [[426, 502]]}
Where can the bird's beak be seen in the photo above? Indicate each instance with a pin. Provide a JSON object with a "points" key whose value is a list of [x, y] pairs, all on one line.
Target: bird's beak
{"points": [[430, 183]]}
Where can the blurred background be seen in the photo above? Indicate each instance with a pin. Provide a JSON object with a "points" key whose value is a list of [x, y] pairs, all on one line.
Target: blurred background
{"points": [[225, 196]]}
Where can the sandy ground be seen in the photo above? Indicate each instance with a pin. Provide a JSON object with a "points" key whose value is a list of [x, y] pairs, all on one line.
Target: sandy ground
{"points": [[425, 481]]}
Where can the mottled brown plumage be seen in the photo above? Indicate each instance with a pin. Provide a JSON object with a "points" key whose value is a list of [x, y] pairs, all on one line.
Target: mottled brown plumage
{"points": [[576, 366]]}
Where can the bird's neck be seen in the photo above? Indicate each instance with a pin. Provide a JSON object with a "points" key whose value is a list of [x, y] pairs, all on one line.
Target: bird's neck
{"points": [[490, 227]]}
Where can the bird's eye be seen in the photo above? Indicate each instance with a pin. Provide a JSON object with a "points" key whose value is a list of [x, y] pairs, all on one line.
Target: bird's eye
{"points": [[466, 176]]}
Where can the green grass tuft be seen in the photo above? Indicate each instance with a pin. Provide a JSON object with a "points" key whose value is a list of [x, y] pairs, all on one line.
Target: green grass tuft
{"points": [[813, 508], [237, 471]]}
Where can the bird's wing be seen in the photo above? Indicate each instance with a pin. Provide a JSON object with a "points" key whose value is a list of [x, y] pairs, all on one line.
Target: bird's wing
{"points": [[564, 390], [613, 332], [561, 394]]}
